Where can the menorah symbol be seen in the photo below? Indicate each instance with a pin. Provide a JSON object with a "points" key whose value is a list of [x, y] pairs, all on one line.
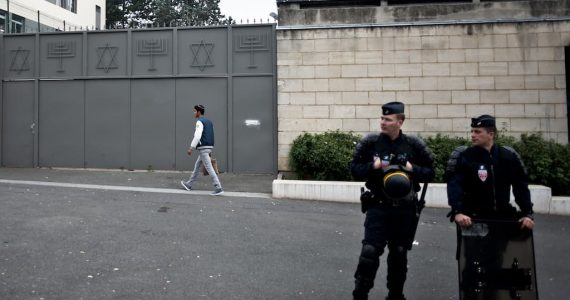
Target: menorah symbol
{"points": [[206, 61], [104, 52], [252, 43], [152, 48], [61, 50], [20, 60]]}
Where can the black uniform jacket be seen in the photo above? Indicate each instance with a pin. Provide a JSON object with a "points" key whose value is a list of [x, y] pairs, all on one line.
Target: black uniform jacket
{"points": [[380, 145], [479, 182]]}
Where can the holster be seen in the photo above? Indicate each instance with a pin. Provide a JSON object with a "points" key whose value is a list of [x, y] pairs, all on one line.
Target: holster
{"points": [[366, 200]]}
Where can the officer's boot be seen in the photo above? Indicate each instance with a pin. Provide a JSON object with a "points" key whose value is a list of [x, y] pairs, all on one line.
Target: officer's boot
{"points": [[397, 268], [361, 288], [368, 263]]}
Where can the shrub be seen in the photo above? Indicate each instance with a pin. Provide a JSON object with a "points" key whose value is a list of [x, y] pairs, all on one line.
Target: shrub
{"points": [[442, 146], [546, 162], [505, 140], [323, 156], [327, 156]]}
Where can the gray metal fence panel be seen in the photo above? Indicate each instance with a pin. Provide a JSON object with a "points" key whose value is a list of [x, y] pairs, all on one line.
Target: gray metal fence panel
{"points": [[19, 57], [124, 98], [253, 124], [107, 54], [202, 51], [152, 124], [211, 92], [61, 55], [252, 50], [61, 124], [18, 119], [152, 52], [107, 123]]}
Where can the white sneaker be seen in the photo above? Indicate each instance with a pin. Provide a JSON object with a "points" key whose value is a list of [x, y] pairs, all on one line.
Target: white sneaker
{"points": [[217, 192], [186, 185]]}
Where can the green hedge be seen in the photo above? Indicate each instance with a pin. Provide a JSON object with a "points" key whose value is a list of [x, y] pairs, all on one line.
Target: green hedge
{"points": [[327, 156], [442, 146], [323, 156], [547, 162]]}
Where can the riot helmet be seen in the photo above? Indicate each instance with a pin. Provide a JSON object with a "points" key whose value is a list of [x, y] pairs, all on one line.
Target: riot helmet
{"points": [[397, 183]]}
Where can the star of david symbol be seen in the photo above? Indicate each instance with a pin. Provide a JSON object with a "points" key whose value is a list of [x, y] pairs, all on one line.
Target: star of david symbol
{"points": [[107, 57], [20, 60], [202, 55]]}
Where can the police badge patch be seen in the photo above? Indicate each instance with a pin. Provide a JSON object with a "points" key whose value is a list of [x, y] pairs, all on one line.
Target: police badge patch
{"points": [[482, 172]]}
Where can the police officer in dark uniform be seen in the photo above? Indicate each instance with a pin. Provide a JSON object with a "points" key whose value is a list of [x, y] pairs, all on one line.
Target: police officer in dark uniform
{"points": [[480, 177], [479, 181], [392, 164]]}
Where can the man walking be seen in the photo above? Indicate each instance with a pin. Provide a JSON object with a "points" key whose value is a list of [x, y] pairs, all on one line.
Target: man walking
{"points": [[392, 164], [203, 142]]}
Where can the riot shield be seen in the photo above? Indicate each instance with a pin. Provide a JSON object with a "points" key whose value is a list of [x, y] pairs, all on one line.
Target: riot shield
{"points": [[496, 261]]}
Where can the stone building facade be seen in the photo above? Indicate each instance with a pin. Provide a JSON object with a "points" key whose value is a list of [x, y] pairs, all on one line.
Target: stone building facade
{"points": [[337, 76]]}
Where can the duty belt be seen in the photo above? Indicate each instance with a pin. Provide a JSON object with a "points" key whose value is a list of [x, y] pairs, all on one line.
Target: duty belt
{"points": [[383, 201]]}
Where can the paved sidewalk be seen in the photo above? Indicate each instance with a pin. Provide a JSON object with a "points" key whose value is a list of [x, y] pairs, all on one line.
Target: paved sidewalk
{"points": [[145, 179]]}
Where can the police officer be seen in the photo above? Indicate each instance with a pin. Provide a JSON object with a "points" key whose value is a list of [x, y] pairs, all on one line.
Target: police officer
{"points": [[479, 181], [389, 162], [480, 177]]}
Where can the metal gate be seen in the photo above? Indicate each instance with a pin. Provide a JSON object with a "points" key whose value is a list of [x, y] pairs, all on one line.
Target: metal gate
{"points": [[125, 98]]}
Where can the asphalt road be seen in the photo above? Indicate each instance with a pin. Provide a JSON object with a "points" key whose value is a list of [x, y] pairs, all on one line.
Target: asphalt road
{"points": [[77, 243]]}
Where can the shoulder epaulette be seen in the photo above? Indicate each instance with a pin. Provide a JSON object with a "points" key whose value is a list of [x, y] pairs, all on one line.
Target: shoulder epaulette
{"points": [[370, 138], [452, 162], [416, 141]]}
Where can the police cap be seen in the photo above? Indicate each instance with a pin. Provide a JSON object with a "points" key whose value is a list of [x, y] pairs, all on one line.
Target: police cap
{"points": [[483, 121], [391, 108]]}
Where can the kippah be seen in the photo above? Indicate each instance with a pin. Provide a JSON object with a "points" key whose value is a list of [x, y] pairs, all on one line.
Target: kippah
{"points": [[199, 107]]}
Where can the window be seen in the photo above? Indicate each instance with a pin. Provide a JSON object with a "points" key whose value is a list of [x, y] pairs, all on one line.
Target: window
{"points": [[97, 17], [70, 5], [17, 23], [2, 21]]}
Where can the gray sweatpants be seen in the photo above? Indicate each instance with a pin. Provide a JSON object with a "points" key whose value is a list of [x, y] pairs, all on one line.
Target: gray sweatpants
{"points": [[204, 158]]}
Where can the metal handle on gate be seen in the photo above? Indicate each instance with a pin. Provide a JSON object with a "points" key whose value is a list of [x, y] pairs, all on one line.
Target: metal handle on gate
{"points": [[252, 123], [32, 128]]}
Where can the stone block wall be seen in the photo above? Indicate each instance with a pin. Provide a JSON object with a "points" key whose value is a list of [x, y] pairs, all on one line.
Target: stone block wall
{"points": [[338, 78]]}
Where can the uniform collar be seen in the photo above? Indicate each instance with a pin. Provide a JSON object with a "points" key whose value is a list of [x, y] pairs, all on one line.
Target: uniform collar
{"points": [[493, 154], [387, 137]]}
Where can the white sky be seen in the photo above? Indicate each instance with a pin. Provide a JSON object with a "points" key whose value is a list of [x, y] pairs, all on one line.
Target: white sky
{"points": [[248, 9]]}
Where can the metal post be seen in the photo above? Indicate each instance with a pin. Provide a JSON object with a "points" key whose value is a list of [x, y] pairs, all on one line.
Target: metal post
{"points": [[63, 25], [567, 69], [123, 16], [39, 27], [8, 19]]}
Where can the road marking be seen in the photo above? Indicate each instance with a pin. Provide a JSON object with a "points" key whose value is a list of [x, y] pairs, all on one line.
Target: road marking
{"points": [[132, 188]]}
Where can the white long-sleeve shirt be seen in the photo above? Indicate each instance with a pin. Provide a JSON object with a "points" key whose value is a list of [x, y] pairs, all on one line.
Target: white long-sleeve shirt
{"points": [[197, 134]]}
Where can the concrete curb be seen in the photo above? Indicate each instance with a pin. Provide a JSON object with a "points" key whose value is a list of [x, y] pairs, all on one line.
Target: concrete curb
{"points": [[436, 196]]}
